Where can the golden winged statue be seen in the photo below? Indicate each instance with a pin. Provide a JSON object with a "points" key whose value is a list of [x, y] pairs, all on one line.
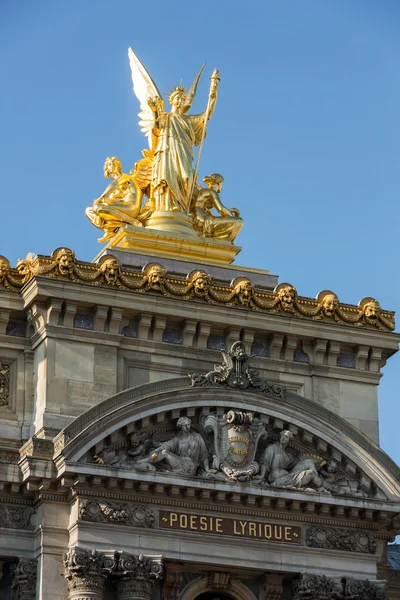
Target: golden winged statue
{"points": [[165, 176], [171, 136]]}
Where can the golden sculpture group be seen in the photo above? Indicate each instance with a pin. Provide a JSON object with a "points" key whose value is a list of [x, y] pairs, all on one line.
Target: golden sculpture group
{"points": [[165, 175], [197, 285]]}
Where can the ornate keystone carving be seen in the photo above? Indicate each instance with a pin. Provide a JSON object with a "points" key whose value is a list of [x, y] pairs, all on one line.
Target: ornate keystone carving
{"points": [[24, 579], [137, 575], [108, 512], [314, 587], [16, 517], [85, 573], [329, 537], [4, 384], [219, 580], [235, 372]]}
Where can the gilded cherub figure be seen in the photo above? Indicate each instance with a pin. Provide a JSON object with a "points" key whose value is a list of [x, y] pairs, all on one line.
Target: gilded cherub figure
{"points": [[224, 227], [121, 201]]}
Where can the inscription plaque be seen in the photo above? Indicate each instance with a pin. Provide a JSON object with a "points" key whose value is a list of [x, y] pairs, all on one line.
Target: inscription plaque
{"points": [[244, 528]]}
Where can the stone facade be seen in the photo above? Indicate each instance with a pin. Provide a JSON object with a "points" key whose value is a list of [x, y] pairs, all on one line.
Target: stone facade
{"points": [[123, 477]]}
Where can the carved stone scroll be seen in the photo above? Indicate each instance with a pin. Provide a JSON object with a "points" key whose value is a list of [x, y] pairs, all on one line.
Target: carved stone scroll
{"points": [[331, 538], [24, 574], [235, 372]]}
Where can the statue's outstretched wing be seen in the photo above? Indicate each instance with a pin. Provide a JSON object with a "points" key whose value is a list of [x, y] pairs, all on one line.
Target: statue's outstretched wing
{"points": [[142, 171], [145, 89], [192, 91]]}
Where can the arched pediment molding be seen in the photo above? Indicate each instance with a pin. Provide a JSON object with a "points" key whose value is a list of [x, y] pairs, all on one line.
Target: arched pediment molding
{"points": [[167, 400]]}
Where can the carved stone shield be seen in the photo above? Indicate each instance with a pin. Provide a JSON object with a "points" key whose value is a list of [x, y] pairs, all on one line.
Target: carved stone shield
{"points": [[236, 437]]}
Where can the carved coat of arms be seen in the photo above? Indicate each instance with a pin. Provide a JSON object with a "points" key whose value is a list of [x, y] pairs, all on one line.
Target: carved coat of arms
{"points": [[236, 436]]}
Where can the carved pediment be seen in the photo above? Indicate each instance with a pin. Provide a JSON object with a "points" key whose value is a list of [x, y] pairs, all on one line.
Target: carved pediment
{"points": [[235, 446]]}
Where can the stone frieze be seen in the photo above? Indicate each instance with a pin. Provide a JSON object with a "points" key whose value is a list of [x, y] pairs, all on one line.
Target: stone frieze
{"points": [[16, 517], [99, 511], [338, 539]]}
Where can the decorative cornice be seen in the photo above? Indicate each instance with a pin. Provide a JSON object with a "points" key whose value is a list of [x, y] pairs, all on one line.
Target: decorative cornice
{"points": [[99, 511], [285, 515], [197, 285], [339, 539]]}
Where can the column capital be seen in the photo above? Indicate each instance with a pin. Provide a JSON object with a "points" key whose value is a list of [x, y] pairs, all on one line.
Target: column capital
{"points": [[24, 574], [317, 587], [137, 575], [85, 573]]}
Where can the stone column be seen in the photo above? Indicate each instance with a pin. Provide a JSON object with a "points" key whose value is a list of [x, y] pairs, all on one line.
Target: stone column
{"points": [[24, 574], [172, 581], [86, 573], [136, 575], [273, 586]]}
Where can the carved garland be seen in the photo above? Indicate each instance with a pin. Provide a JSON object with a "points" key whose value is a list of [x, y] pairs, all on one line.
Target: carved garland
{"points": [[337, 539], [198, 285], [106, 512]]}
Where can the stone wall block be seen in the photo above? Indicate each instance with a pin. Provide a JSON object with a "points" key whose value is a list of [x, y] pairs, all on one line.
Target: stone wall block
{"points": [[203, 332], [144, 324], [100, 317]]}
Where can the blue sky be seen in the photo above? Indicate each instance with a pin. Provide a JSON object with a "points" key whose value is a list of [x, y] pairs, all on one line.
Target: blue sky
{"points": [[306, 131]]}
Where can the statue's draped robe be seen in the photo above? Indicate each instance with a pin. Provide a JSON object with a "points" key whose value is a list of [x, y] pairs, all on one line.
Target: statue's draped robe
{"points": [[282, 468], [191, 451], [172, 165]]}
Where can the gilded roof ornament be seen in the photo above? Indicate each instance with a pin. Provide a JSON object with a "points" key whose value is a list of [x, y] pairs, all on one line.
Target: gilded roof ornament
{"points": [[198, 285], [162, 191]]}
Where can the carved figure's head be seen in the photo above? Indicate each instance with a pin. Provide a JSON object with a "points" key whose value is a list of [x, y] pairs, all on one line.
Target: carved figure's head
{"points": [[201, 282], [155, 276], [285, 437], [177, 98], [331, 466], [65, 259], [286, 295], [5, 266], [238, 350], [371, 309], [244, 290], [215, 179], [112, 167], [134, 440], [184, 424], [24, 266], [329, 302], [111, 269]]}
